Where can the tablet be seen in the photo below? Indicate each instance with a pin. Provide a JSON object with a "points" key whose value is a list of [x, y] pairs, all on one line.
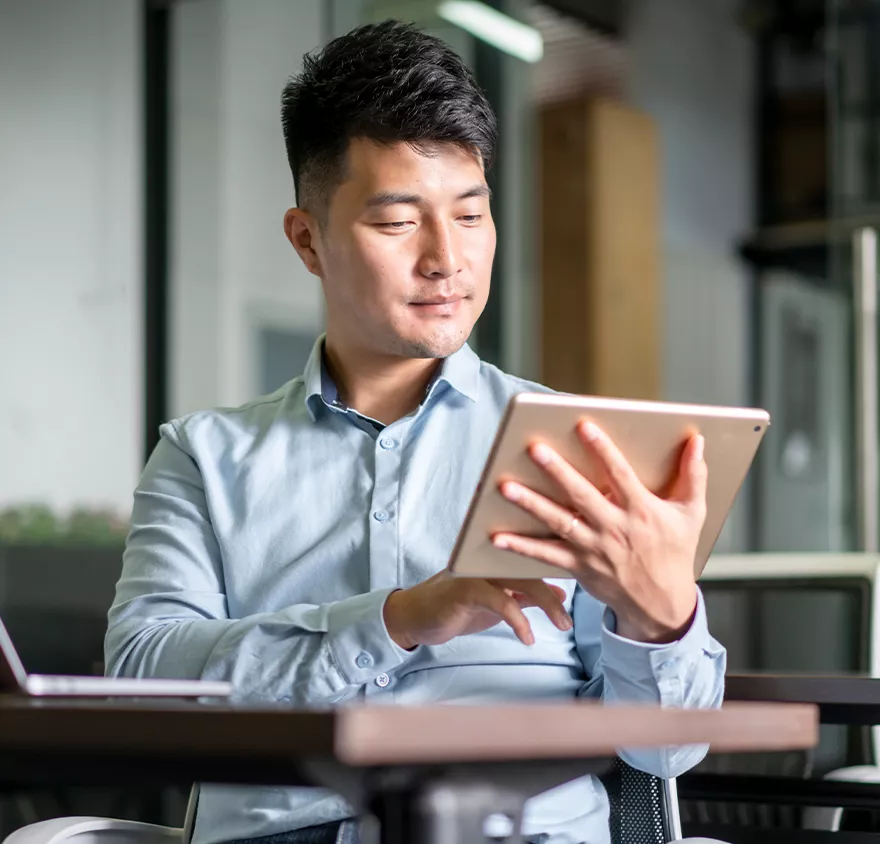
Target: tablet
{"points": [[651, 436]]}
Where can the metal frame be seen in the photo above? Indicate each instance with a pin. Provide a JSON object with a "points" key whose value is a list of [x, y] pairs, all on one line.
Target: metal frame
{"points": [[489, 72], [156, 16], [451, 805], [867, 415], [671, 810]]}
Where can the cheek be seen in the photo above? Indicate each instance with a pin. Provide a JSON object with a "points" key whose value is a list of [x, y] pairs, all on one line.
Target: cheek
{"points": [[481, 253], [382, 264]]}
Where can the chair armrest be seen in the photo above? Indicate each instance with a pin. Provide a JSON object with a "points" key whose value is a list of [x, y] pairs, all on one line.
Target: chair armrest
{"points": [[89, 830], [828, 818]]}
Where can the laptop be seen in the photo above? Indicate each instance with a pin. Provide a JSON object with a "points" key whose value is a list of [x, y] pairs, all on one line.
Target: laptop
{"points": [[14, 679]]}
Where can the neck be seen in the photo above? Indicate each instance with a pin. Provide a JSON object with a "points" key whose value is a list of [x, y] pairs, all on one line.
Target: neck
{"points": [[384, 387]]}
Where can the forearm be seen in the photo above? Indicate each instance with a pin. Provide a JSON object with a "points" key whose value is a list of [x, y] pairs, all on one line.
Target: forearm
{"points": [[305, 655], [686, 674]]}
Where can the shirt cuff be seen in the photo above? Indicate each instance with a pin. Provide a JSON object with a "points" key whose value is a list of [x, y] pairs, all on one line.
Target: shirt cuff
{"points": [[652, 668], [360, 642]]}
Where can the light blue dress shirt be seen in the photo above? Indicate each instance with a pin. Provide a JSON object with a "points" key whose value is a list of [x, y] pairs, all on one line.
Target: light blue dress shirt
{"points": [[265, 540]]}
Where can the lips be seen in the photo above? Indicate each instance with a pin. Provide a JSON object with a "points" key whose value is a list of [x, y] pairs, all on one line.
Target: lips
{"points": [[446, 300], [438, 307]]}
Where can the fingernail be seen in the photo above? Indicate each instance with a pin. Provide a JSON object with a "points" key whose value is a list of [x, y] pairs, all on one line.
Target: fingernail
{"points": [[541, 454], [511, 492], [590, 431], [530, 639], [565, 618], [500, 542], [700, 447]]}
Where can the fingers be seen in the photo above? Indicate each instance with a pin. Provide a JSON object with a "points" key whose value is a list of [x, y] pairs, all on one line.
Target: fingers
{"points": [[519, 585], [588, 500], [544, 596], [693, 476], [508, 609], [557, 518], [624, 481], [554, 552]]}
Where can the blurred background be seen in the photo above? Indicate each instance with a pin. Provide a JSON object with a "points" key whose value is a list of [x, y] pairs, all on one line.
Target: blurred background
{"points": [[671, 178], [682, 192]]}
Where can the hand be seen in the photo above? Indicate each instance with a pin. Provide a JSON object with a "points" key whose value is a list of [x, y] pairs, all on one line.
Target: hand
{"points": [[443, 607], [632, 550]]}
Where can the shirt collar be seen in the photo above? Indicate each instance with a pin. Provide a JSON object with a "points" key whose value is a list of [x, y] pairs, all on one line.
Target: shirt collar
{"points": [[461, 371], [313, 376]]}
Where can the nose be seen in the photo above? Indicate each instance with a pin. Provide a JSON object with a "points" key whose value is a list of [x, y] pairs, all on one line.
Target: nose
{"points": [[439, 256]]}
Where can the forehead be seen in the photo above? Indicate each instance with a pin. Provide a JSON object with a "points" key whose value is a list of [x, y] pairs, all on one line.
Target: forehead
{"points": [[434, 170]]}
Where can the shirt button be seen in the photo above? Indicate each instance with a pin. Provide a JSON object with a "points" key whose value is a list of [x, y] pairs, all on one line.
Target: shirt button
{"points": [[381, 515], [383, 680], [388, 443], [363, 660], [666, 664]]}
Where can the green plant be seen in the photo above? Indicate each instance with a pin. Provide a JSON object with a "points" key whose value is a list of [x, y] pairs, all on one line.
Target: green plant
{"points": [[37, 524]]}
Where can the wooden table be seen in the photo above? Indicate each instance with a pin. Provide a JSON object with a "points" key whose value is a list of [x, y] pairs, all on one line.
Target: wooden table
{"points": [[395, 755]]}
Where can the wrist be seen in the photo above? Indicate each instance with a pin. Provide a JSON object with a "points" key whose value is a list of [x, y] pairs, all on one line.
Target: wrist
{"points": [[666, 622], [394, 616]]}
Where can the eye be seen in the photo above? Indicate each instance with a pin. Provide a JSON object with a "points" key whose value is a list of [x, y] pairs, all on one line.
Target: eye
{"points": [[396, 225], [471, 219]]}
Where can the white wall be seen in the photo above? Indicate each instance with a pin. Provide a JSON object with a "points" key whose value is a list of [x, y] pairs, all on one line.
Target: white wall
{"points": [[231, 267], [691, 69], [70, 252]]}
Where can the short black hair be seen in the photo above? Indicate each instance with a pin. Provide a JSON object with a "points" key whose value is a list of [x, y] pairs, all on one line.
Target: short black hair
{"points": [[386, 82]]}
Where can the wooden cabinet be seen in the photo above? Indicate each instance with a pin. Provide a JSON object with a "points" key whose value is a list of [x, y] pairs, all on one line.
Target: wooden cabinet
{"points": [[600, 244]]}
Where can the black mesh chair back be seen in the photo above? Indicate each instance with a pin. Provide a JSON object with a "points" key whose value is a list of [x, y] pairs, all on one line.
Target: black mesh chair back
{"points": [[637, 802]]}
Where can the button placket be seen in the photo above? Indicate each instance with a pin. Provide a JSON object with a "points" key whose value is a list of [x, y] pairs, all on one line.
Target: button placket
{"points": [[384, 534]]}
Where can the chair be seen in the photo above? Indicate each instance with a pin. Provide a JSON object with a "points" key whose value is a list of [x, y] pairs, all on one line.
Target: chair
{"points": [[643, 810], [830, 818], [86, 830]]}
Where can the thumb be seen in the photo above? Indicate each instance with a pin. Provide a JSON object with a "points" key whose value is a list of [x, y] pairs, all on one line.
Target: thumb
{"points": [[693, 475]]}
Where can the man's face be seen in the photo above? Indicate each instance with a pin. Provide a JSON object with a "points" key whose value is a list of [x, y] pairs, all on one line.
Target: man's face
{"points": [[405, 254]]}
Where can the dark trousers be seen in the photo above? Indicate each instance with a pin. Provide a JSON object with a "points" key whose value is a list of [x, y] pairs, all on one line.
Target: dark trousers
{"points": [[345, 832]]}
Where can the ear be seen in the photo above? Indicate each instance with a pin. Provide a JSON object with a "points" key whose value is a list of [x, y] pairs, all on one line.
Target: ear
{"points": [[303, 233]]}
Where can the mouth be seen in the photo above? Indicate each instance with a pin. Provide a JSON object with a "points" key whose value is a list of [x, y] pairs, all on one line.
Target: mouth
{"points": [[438, 305]]}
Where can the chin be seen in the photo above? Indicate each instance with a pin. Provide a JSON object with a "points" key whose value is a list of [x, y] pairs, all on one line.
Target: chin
{"points": [[439, 343]]}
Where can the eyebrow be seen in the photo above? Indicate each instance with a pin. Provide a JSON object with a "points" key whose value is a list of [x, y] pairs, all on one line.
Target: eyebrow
{"points": [[380, 200]]}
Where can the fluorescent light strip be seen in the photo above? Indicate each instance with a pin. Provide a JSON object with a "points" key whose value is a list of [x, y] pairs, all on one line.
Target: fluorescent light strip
{"points": [[494, 27]]}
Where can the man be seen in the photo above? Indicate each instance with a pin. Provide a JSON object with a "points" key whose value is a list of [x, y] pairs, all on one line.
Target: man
{"points": [[296, 546]]}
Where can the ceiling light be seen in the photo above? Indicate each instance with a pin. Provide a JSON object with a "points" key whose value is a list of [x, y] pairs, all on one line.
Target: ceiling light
{"points": [[494, 27]]}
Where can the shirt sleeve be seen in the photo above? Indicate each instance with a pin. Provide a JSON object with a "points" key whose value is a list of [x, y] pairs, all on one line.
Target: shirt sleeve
{"points": [[170, 614], [688, 673]]}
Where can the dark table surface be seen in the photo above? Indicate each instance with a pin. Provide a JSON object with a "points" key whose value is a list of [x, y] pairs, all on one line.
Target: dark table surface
{"points": [[114, 741], [841, 698]]}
